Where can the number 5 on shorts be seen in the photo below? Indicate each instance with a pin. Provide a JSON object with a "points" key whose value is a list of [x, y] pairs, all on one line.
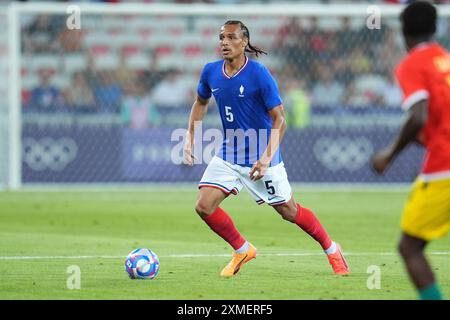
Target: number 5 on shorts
{"points": [[270, 189]]}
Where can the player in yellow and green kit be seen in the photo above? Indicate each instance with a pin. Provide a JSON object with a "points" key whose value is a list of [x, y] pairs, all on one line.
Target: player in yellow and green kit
{"points": [[424, 77]]}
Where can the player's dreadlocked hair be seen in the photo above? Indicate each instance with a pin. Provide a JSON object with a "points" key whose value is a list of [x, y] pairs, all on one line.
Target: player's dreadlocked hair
{"points": [[419, 19], [249, 48]]}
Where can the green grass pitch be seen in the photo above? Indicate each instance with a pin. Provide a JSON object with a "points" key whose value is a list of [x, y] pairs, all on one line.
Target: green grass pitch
{"points": [[43, 233]]}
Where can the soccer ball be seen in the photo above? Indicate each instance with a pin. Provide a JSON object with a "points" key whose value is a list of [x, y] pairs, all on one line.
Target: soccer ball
{"points": [[142, 263]]}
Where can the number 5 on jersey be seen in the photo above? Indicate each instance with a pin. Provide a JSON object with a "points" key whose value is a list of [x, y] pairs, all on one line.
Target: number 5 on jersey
{"points": [[229, 114]]}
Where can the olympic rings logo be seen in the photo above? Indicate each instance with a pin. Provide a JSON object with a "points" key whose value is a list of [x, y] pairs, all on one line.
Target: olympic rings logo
{"points": [[343, 153], [48, 153]]}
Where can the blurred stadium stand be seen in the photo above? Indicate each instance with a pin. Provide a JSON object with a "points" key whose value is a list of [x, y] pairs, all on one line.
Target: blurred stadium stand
{"points": [[313, 56]]}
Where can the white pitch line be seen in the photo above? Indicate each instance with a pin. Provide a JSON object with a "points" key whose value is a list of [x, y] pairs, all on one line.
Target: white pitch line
{"points": [[444, 253]]}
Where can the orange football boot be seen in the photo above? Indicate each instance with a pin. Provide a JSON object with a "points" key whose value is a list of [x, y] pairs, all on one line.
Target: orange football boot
{"points": [[238, 261], [338, 262]]}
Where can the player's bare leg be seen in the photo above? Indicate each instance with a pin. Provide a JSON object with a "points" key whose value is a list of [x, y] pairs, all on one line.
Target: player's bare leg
{"points": [[220, 222], [208, 201], [308, 222], [419, 270]]}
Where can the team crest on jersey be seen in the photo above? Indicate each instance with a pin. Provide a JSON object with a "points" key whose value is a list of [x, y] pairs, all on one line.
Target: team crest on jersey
{"points": [[241, 90]]}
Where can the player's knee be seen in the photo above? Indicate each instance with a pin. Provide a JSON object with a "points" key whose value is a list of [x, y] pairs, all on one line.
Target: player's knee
{"points": [[287, 213], [204, 208]]}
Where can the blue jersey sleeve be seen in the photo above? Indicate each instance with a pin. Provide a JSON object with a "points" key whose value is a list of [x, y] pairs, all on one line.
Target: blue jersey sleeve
{"points": [[203, 89], [269, 90]]}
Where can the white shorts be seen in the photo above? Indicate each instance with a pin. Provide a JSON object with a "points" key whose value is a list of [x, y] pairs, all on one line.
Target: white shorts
{"points": [[273, 188]]}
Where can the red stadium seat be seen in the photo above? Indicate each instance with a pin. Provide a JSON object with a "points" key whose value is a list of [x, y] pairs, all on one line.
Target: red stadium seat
{"points": [[208, 31], [114, 31], [130, 50], [146, 33], [176, 31], [164, 50], [100, 49], [268, 31], [192, 50], [25, 96]]}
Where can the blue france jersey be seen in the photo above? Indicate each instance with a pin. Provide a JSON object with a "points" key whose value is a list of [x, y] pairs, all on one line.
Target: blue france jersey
{"points": [[244, 101]]}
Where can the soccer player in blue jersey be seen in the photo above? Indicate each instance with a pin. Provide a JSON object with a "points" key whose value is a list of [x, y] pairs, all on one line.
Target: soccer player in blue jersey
{"points": [[248, 100]]}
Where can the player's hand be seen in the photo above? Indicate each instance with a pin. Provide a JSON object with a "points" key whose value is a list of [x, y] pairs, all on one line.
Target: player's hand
{"points": [[258, 170], [381, 161], [188, 155]]}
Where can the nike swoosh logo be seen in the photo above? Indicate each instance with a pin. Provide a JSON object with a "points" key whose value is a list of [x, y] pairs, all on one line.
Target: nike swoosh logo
{"points": [[238, 267], [214, 90], [343, 259], [271, 198]]}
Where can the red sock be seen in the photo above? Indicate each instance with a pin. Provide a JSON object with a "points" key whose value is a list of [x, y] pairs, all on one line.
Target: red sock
{"points": [[306, 220], [220, 222]]}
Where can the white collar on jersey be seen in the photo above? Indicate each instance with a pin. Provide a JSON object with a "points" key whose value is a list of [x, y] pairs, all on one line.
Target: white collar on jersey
{"points": [[237, 72]]}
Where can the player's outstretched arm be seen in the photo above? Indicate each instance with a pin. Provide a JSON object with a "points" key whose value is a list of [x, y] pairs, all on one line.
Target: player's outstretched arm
{"points": [[276, 136], [198, 111], [416, 120]]}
